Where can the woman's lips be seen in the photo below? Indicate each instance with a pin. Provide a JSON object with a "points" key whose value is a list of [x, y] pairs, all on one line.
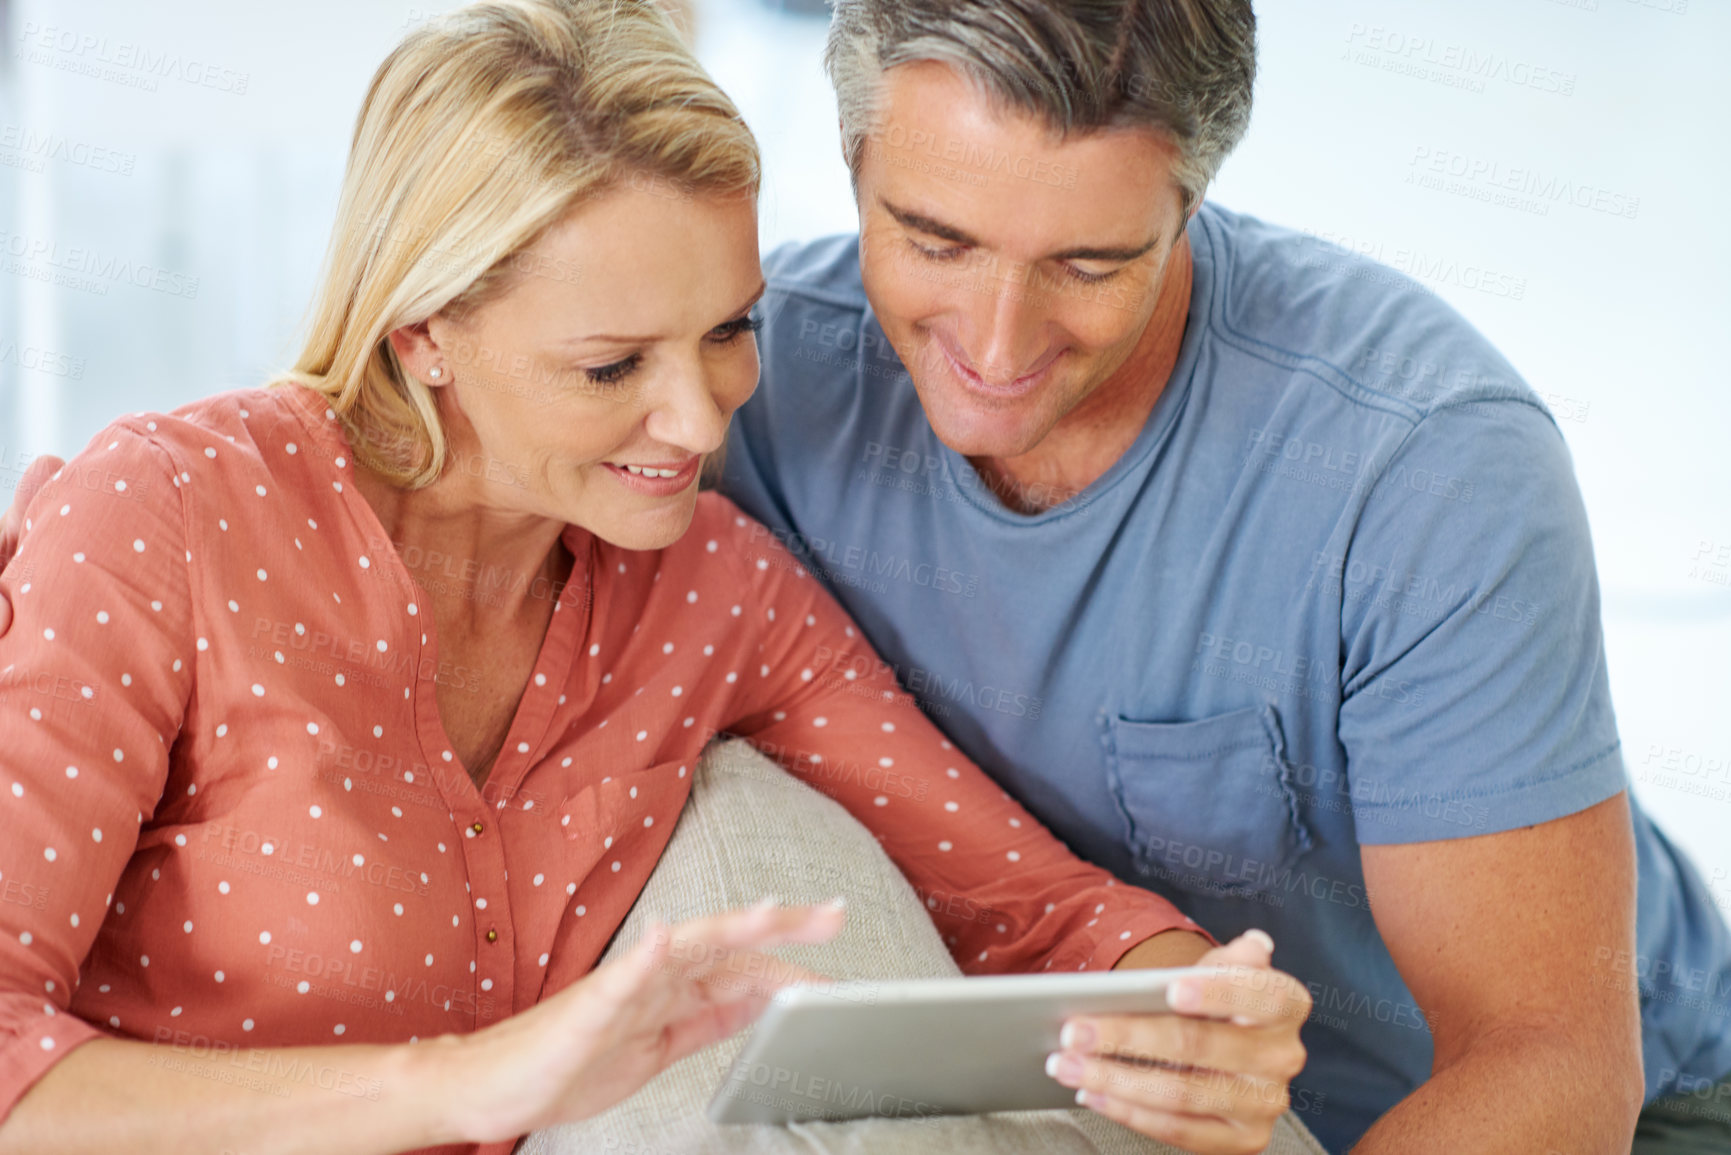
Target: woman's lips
{"points": [[656, 486]]}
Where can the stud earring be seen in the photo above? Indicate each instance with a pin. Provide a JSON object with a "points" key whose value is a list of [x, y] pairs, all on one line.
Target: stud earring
{"points": [[435, 373]]}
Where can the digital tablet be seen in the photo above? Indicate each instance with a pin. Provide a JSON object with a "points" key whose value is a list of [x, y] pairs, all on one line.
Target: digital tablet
{"points": [[919, 1048]]}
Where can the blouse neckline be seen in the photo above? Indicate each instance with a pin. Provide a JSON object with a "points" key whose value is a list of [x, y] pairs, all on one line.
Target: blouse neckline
{"points": [[546, 688]]}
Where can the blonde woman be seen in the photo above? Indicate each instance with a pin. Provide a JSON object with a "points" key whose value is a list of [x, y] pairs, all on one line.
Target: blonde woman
{"points": [[344, 719]]}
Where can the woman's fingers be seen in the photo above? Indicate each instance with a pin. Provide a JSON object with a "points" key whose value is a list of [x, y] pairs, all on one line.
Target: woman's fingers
{"points": [[732, 943], [690, 985], [678, 990], [714, 963], [720, 960], [767, 924], [708, 1026]]}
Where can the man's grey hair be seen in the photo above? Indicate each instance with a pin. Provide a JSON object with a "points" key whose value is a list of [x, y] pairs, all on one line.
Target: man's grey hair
{"points": [[1184, 68]]}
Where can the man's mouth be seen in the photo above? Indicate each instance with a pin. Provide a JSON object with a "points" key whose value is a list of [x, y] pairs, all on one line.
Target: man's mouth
{"points": [[972, 381]]}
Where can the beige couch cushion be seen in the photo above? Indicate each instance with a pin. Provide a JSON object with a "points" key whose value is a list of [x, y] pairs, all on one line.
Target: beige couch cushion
{"points": [[750, 829]]}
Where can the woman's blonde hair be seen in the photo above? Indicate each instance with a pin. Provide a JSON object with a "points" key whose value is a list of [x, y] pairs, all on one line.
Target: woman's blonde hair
{"points": [[481, 129]]}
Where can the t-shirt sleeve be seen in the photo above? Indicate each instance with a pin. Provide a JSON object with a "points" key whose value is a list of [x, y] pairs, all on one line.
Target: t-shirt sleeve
{"points": [[95, 675], [1006, 894], [1474, 690]]}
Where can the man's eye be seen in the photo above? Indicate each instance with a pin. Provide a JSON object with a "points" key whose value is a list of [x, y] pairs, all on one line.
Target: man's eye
{"points": [[1087, 277], [948, 254]]}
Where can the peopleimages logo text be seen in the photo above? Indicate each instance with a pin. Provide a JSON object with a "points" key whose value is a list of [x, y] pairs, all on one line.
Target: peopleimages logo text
{"points": [[84, 51], [102, 267]]}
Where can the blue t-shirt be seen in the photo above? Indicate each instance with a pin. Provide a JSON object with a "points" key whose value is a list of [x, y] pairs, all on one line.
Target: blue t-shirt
{"points": [[1339, 591]]}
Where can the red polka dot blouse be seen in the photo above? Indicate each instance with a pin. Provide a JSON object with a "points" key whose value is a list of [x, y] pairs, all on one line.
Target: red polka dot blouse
{"points": [[229, 810]]}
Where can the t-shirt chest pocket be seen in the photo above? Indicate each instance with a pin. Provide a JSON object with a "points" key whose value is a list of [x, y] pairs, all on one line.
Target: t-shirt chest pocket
{"points": [[1207, 806]]}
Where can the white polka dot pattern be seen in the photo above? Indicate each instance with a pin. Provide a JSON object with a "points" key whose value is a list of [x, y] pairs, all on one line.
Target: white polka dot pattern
{"points": [[316, 861]]}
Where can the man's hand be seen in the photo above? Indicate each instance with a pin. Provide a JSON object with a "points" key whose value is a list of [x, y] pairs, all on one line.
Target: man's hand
{"points": [[12, 523], [1211, 1078]]}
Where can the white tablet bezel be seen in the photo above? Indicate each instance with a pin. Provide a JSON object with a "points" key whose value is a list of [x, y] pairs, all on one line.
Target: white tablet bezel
{"points": [[922, 1047]]}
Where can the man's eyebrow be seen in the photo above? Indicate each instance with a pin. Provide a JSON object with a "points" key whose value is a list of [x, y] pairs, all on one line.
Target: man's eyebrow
{"points": [[956, 236], [927, 225], [1107, 254]]}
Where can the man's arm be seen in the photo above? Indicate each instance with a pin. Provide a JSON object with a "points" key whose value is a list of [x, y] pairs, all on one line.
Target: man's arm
{"points": [[1488, 788], [1504, 940]]}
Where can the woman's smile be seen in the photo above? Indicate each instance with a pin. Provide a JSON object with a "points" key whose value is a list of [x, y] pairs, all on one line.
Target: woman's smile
{"points": [[664, 479]]}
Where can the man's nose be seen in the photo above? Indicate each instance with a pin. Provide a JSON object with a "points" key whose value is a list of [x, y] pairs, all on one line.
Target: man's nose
{"points": [[1008, 328]]}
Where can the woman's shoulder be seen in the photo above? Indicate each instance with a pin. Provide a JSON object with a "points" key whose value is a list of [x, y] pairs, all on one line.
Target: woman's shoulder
{"points": [[236, 425], [253, 422], [234, 467], [270, 438]]}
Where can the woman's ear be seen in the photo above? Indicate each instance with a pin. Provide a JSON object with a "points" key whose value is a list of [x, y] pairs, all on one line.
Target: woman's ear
{"points": [[419, 355]]}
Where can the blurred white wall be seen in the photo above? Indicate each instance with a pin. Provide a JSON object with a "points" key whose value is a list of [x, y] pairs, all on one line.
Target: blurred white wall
{"points": [[1553, 168]]}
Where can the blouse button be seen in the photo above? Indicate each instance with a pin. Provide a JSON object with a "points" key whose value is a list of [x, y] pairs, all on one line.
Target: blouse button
{"points": [[476, 828], [492, 936]]}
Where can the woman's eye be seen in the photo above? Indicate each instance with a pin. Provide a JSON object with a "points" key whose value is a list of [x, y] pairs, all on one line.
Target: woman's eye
{"points": [[614, 373], [732, 330]]}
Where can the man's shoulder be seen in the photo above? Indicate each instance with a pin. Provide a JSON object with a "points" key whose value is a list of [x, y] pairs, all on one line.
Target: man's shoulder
{"points": [[825, 270], [1355, 315], [820, 338]]}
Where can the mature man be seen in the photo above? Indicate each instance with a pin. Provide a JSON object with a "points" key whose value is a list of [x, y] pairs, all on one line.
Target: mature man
{"points": [[1248, 566]]}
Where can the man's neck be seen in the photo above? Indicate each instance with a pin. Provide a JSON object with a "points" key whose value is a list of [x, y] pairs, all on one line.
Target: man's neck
{"points": [[1089, 440]]}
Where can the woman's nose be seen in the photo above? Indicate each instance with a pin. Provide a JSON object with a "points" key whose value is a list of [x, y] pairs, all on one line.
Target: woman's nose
{"points": [[686, 412]]}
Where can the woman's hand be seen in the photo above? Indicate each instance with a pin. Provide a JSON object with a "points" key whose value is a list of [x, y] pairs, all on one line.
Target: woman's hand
{"points": [[12, 521], [597, 1041], [1211, 1078]]}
